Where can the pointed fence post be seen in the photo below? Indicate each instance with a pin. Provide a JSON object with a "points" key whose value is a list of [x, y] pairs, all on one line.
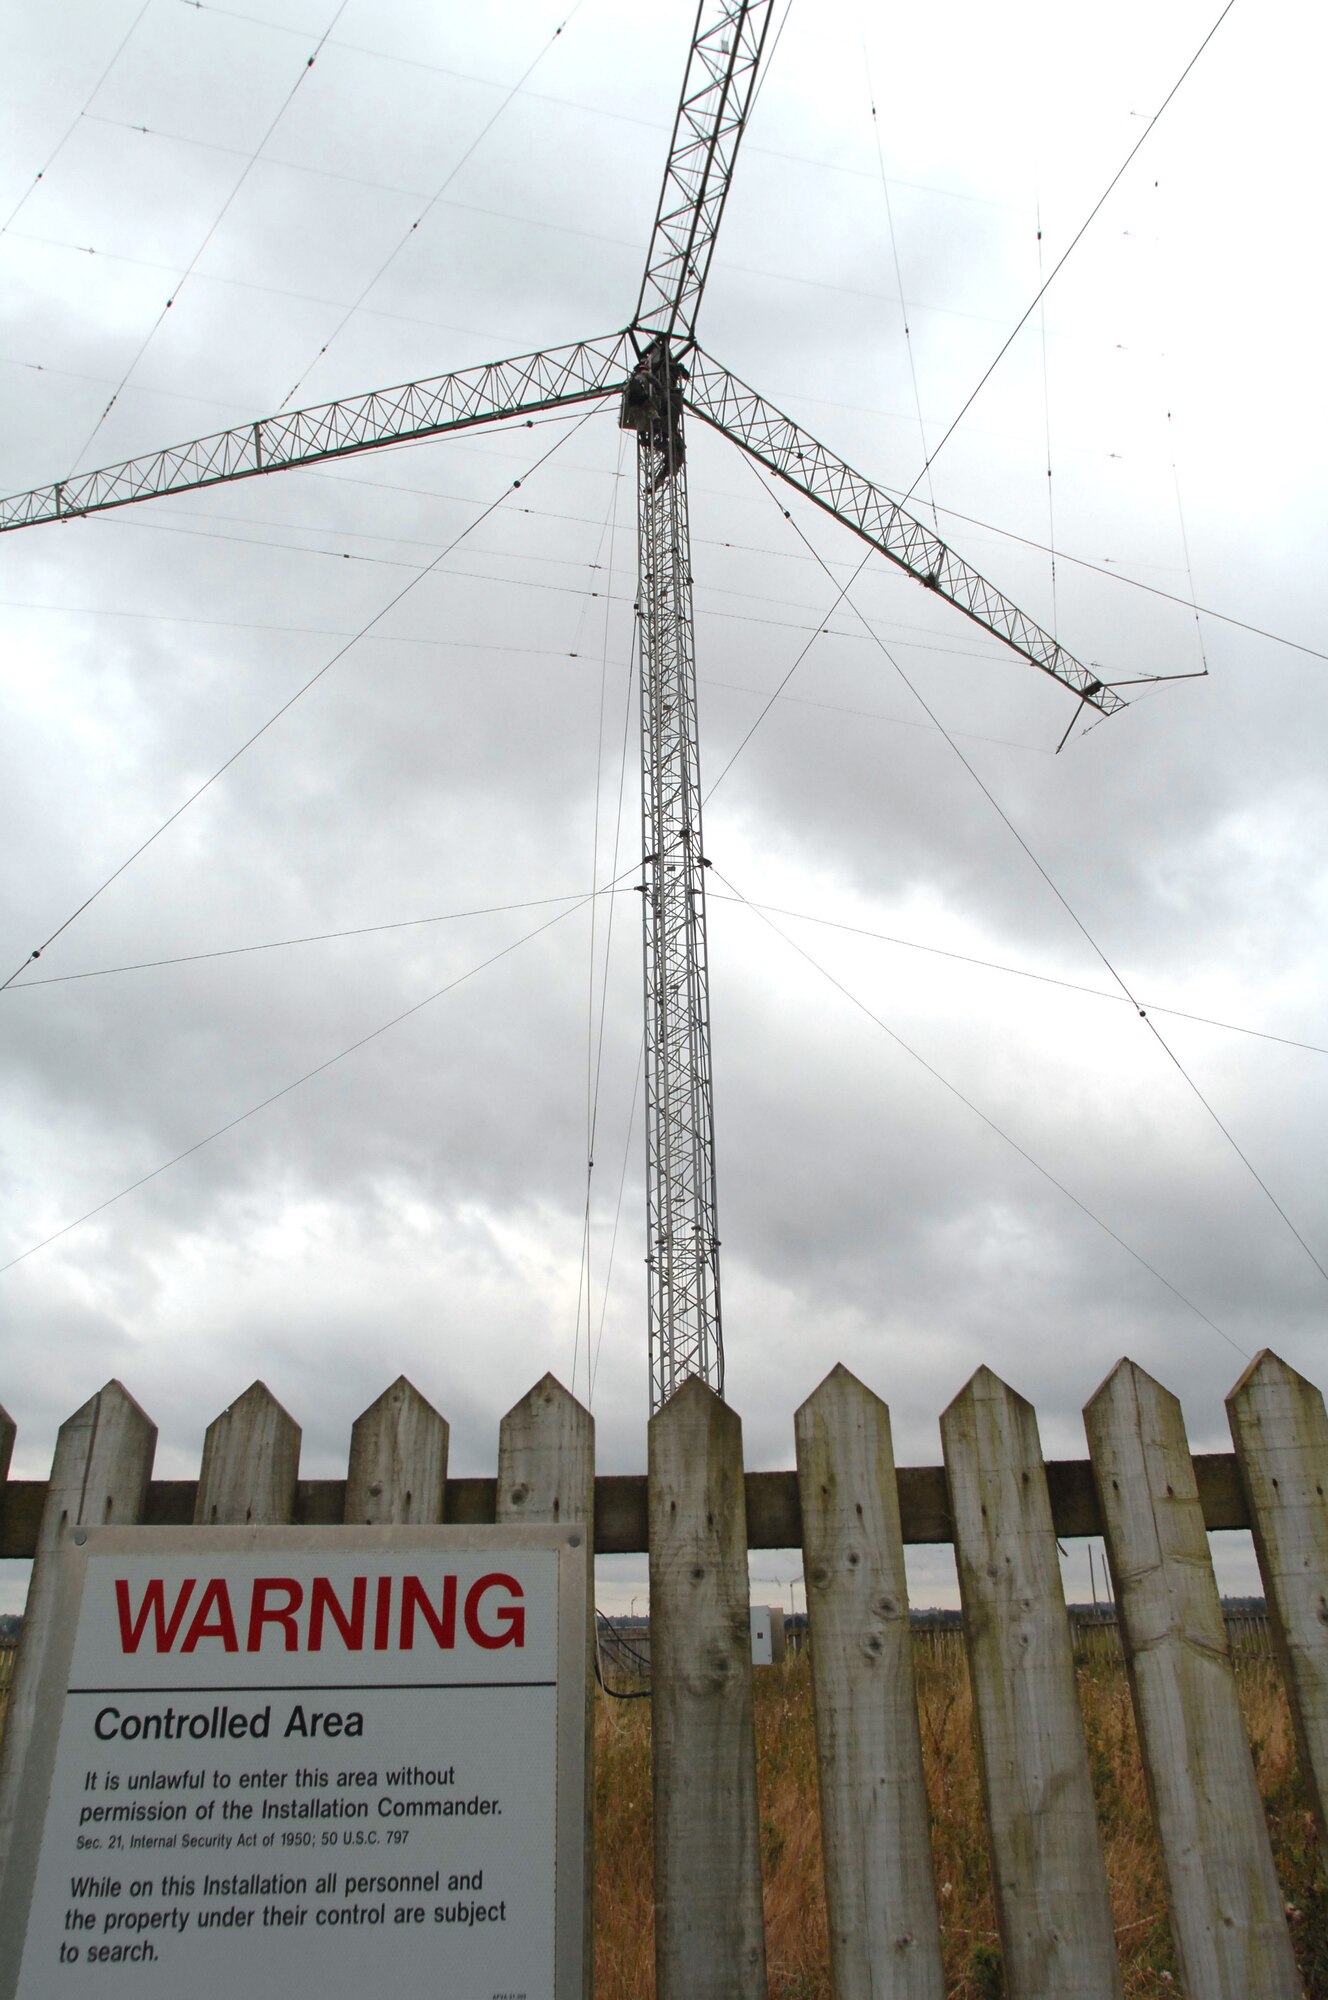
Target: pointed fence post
{"points": [[1280, 1432], [1048, 1873], [546, 1460], [397, 1471], [709, 1921], [1226, 1910], [100, 1473], [546, 1475], [251, 1460], [879, 1888]]}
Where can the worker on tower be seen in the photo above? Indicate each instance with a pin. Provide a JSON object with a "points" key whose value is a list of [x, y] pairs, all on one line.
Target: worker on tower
{"points": [[652, 406]]}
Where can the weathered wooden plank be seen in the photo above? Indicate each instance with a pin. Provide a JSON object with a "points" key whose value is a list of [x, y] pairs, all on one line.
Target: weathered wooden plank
{"points": [[621, 1512], [546, 1475], [621, 1525], [924, 1503], [709, 1922], [1221, 1494], [1226, 1912], [320, 1503], [251, 1459], [471, 1503], [397, 1471], [879, 1888], [546, 1459], [21, 1505], [1280, 1431], [1047, 1869], [100, 1473], [774, 1519]]}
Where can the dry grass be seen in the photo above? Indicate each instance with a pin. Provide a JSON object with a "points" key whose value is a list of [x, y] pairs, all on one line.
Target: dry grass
{"points": [[791, 1844]]}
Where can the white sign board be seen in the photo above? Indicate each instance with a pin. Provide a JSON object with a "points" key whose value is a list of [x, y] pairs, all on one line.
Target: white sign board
{"points": [[299, 1762]]}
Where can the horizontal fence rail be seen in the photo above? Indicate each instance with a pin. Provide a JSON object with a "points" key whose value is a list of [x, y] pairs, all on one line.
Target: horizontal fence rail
{"points": [[851, 1512], [621, 1520]]}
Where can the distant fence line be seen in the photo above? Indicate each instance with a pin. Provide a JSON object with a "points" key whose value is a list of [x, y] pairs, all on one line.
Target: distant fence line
{"points": [[1094, 1640], [850, 1512], [624, 1644]]}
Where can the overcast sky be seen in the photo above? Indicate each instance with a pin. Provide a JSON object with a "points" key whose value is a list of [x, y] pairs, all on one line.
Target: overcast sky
{"points": [[924, 1164]]}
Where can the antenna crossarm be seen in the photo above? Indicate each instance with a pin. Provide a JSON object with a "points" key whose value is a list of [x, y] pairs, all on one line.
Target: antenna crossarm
{"points": [[776, 442], [717, 94], [551, 379]]}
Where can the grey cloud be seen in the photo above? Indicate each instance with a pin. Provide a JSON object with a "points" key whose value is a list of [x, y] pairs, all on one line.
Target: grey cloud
{"points": [[420, 1207]]}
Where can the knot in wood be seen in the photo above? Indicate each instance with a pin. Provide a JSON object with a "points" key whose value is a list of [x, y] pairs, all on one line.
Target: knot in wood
{"points": [[520, 1495], [853, 1558], [697, 1572]]}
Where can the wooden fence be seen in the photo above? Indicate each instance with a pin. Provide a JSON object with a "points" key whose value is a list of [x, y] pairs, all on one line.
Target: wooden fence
{"points": [[851, 1511]]}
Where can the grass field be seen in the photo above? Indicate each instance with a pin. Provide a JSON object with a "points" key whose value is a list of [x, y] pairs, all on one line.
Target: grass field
{"points": [[791, 1847], [791, 1843]]}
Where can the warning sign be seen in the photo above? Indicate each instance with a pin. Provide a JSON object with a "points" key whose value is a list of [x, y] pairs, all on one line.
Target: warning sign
{"points": [[302, 1761]]}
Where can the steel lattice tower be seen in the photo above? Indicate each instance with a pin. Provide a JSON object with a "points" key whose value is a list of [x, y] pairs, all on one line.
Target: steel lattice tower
{"points": [[682, 1254], [656, 371]]}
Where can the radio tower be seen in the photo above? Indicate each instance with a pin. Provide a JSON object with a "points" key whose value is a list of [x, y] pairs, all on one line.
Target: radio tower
{"points": [[658, 375]]}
